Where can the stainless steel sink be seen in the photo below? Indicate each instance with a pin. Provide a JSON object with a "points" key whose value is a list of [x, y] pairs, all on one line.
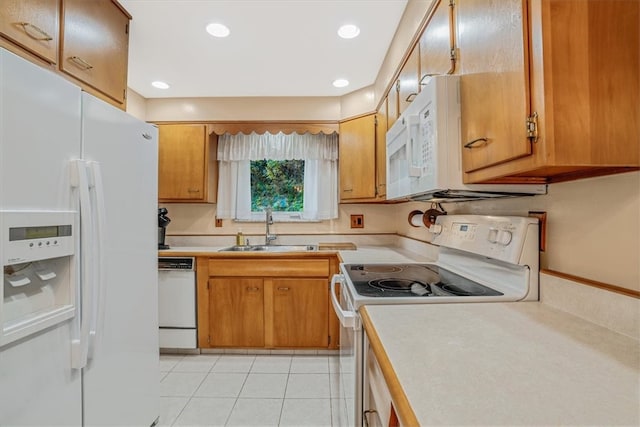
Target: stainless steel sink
{"points": [[271, 248]]}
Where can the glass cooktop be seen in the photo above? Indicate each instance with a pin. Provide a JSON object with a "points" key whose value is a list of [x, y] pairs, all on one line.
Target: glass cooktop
{"points": [[412, 280]]}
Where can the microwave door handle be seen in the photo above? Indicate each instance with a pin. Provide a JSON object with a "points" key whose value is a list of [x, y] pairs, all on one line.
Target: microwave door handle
{"points": [[413, 123], [347, 318]]}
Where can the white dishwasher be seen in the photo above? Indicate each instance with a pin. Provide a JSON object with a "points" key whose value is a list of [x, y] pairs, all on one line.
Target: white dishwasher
{"points": [[177, 303]]}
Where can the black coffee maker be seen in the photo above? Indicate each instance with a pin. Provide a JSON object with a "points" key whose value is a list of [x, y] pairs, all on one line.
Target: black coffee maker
{"points": [[163, 221]]}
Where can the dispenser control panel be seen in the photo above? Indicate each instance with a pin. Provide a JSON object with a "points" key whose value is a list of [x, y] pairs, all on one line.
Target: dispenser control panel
{"points": [[37, 235]]}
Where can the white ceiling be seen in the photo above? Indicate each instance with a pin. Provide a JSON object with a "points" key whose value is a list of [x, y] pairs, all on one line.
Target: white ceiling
{"points": [[276, 48]]}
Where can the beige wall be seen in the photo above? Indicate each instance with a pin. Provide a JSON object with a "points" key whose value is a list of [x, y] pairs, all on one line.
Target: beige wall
{"points": [[245, 108], [136, 104], [593, 226], [199, 219]]}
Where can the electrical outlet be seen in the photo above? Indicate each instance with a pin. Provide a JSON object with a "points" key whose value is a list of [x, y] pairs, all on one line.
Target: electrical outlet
{"points": [[542, 218], [357, 221], [218, 222]]}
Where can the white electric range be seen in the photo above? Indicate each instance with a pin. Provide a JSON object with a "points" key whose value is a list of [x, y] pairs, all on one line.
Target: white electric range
{"points": [[480, 259]]}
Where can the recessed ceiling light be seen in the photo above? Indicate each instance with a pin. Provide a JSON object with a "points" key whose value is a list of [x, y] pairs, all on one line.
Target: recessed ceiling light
{"points": [[218, 30], [160, 85], [341, 83], [348, 31]]}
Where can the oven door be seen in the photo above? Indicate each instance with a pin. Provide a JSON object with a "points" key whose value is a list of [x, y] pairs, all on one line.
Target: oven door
{"points": [[350, 368]]}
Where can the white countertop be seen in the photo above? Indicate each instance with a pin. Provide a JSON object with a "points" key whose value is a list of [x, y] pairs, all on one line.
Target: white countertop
{"points": [[509, 364], [368, 254]]}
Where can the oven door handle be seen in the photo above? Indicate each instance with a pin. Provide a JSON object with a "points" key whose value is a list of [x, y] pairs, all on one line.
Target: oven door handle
{"points": [[347, 318]]}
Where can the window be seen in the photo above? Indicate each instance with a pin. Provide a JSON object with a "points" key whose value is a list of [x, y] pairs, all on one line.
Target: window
{"points": [[278, 184], [296, 175]]}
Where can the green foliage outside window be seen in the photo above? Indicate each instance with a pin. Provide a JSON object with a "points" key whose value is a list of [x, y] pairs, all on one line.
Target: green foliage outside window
{"points": [[277, 184]]}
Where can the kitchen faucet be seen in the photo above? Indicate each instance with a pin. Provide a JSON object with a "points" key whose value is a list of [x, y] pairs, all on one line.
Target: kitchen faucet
{"points": [[268, 220]]}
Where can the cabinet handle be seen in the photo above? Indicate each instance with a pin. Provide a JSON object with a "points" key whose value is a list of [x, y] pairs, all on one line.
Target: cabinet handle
{"points": [[346, 190], [193, 190], [422, 82], [282, 288], [80, 62], [42, 34], [411, 97], [472, 144], [252, 289]]}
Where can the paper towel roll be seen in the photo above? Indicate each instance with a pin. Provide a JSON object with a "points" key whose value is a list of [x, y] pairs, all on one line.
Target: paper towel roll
{"points": [[415, 218]]}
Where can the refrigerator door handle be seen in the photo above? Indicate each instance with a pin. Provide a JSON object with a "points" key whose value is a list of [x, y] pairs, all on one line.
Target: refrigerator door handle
{"points": [[79, 344], [98, 210]]}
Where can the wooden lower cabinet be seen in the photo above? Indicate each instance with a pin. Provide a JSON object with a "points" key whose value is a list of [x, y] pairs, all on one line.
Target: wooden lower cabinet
{"points": [[262, 303], [237, 312], [300, 313]]}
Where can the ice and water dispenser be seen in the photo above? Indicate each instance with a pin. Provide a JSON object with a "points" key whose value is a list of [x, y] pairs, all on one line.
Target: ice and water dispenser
{"points": [[38, 253]]}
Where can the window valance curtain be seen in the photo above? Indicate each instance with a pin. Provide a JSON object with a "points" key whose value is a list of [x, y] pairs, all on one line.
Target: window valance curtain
{"points": [[319, 152], [278, 147]]}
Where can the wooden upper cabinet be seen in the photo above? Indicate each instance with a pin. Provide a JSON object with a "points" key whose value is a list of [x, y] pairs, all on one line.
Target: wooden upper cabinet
{"points": [[33, 25], [381, 151], [494, 88], [185, 164], [95, 45], [392, 105], [573, 63], [357, 151], [409, 79], [437, 42]]}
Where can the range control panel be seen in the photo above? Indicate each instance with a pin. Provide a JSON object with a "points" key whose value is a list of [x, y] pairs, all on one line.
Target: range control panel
{"points": [[499, 237]]}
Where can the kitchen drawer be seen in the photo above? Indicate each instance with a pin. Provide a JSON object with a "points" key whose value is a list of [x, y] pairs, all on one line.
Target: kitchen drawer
{"points": [[269, 268]]}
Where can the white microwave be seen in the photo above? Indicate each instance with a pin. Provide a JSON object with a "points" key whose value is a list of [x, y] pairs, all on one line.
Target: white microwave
{"points": [[424, 152]]}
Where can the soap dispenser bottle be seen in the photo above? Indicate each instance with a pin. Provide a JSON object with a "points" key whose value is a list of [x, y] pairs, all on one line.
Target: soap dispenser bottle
{"points": [[240, 238]]}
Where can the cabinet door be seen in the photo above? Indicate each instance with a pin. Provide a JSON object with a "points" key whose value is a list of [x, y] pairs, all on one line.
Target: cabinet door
{"points": [[182, 162], [436, 42], [409, 77], [494, 85], [33, 25], [392, 104], [236, 312], [381, 151], [357, 149], [300, 312], [97, 58]]}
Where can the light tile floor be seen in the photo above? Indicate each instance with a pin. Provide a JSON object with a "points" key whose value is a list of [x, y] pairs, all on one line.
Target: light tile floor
{"points": [[249, 390]]}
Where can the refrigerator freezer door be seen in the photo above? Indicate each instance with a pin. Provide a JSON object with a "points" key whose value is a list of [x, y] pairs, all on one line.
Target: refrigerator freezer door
{"points": [[39, 135], [124, 363]]}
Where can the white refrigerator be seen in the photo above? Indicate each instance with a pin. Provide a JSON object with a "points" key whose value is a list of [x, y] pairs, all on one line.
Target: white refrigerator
{"points": [[78, 243]]}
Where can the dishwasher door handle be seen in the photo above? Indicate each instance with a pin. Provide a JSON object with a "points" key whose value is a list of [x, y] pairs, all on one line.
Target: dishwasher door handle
{"points": [[347, 318]]}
